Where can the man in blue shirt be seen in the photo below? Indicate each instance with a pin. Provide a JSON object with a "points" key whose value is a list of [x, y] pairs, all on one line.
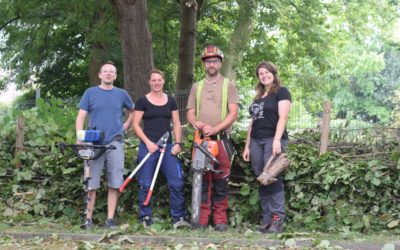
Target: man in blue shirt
{"points": [[104, 105]]}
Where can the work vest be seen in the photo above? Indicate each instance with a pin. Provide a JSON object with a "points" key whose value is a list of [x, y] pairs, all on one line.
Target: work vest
{"points": [[224, 98]]}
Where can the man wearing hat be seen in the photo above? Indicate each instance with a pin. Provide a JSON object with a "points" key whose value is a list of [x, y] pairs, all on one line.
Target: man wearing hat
{"points": [[212, 109]]}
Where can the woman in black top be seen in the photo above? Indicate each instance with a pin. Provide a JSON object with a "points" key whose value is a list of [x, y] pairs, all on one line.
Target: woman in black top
{"points": [[267, 136], [157, 109]]}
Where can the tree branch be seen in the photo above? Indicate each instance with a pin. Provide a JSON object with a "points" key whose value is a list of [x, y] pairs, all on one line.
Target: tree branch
{"points": [[21, 17], [9, 21]]}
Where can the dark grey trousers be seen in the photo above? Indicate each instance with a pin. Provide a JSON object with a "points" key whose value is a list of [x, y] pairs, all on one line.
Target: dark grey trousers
{"points": [[272, 197]]}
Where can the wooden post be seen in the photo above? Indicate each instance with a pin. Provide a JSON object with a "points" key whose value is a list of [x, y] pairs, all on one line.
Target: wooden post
{"points": [[19, 142], [37, 96], [326, 118]]}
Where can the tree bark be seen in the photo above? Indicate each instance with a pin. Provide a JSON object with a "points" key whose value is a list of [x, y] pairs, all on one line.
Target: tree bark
{"points": [[187, 45], [239, 38], [136, 44], [94, 66], [96, 49]]}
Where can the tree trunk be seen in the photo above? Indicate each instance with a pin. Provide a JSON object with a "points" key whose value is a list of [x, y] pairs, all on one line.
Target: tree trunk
{"points": [[136, 45], [96, 47], [187, 51], [94, 66], [239, 38], [187, 44]]}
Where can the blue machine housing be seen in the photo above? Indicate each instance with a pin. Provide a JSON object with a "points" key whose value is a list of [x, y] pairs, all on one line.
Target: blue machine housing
{"points": [[90, 135]]}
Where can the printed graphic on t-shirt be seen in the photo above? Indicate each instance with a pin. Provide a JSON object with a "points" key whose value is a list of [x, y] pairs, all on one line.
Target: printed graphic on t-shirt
{"points": [[257, 111]]}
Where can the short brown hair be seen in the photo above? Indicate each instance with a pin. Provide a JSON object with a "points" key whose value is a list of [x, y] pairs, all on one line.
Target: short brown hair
{"points": [[156, 71], [108, 62], [276, 84]]}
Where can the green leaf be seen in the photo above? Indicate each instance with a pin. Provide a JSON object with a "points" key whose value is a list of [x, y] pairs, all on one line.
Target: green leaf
{"points": [[389, 246], [373, 163], [40, 142], [315, 201], [393, 223], [300, 195], [39, 209], [245, 190], [254, 197], [8, 212], [69, 170], [323, 244], [239, 218], [179, 246], [367, 221], [25, 175], [290, 175], [376, 181], [40, 193], [290, 242]]}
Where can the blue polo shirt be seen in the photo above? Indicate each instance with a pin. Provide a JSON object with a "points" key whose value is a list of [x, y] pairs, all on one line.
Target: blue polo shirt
{"points": [[106, 110]]}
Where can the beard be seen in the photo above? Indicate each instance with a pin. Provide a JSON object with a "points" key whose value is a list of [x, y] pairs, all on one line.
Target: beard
{"points": [[212, 72]]}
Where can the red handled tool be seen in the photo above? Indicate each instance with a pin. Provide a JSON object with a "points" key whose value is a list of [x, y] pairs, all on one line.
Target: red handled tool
{"points": [[162, 144]]}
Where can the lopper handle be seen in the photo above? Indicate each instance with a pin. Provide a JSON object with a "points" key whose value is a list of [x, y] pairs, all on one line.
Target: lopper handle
{"points": [[146, 202], [130, 177], [121, 189]]}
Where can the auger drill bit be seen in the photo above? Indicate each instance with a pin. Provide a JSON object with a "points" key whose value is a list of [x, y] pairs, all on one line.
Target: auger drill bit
{"points": [[86, 199]]}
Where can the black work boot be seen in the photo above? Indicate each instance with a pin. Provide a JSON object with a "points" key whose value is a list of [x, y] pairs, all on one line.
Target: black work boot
{"points": [[276, 225], [263, 228], [147, 221], [220, 227], [181, 223]]}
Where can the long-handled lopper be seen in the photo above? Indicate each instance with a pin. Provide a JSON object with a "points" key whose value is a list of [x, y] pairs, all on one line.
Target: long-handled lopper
{"points": [[164, 140], [162, 144]]}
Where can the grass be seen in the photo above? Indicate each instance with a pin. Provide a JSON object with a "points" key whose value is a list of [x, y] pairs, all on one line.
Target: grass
{"points": [[248, 235], [163, 228], [220, 240]]}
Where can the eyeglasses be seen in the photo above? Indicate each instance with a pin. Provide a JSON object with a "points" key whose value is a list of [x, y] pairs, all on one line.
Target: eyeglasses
{"points": [[212, 61]]}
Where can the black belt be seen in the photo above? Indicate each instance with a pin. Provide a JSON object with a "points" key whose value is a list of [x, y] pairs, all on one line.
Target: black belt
{"points": [[118, 138], [219, 136]]}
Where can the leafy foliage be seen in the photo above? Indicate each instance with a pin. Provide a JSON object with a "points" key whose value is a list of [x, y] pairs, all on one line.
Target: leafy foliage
{"points": [[343, 51], [332, 192], [51, 43], [35, 186]]}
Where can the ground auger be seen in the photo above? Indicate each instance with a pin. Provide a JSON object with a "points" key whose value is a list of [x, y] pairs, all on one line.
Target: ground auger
{"points": [[87, 151]]}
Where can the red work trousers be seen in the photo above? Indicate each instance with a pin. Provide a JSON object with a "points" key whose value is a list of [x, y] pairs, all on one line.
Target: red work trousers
{"points": [[215, 191]]}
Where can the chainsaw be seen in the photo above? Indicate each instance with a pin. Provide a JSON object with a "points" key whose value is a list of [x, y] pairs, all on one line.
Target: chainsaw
{"points": [[204, 159]]}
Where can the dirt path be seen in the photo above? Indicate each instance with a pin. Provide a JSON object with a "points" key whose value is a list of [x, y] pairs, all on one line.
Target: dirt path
{"points": [[155, 241]]}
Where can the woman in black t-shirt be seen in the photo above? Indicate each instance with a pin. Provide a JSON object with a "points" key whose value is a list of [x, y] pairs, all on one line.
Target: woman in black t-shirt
{"points": [[157, 109], [267, 136]]}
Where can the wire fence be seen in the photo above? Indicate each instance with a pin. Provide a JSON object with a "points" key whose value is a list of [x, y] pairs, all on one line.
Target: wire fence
{"points": [[346, 138], [300, 117]]}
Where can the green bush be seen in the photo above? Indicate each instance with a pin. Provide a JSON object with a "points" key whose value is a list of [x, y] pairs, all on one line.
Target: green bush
{"points": [[332, 192]]}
